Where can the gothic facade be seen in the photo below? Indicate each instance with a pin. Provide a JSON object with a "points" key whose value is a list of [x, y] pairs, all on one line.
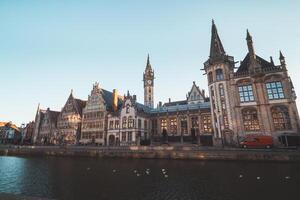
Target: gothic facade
{"points": [[254, 97], [257, 97]]}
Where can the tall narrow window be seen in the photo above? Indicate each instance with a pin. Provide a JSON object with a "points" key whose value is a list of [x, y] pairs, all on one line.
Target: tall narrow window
{"points": [[221, 90], [250, 120], [163, 124], [129, 138], [183, 123], [130, 122], [206, 123], [124, 122], [246, 93], [173, 125], [275, 90], [219, 74], [117, 125], [210, 77], [281, 118]]}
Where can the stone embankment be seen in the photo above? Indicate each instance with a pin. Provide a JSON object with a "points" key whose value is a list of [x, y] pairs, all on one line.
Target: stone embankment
{"points": [[157, 152]]}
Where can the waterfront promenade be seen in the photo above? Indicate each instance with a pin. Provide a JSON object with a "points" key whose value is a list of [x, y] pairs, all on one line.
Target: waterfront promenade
{"points": [[157, 152]]}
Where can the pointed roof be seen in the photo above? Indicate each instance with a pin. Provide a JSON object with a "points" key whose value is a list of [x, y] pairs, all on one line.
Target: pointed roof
{"points": [[248, 37], [281, 57], [148, 65], [245, 64], [216, 47]]}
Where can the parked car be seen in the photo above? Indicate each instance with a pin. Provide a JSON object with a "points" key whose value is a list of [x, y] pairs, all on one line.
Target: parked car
{"points": [[257, 141]]}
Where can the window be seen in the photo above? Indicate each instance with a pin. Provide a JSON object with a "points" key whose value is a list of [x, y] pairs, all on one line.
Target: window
{"points": [[139, 123], [117, 125], [195, 122], [219, 74], [281, 118], [275, 90], [246, 93], [250, 119], [206, 120], [129, 136], [221, 90], [111, 124], [210, 77], [130, 122], [163, 124], [123, 136], [173, 125], [183, 123], [145, 124], [127, 108], [124, 122]]}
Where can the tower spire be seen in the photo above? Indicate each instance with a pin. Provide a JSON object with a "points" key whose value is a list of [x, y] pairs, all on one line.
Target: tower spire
{"points": [[216, 47], [148, 65], [250, 46], [282, 60]]}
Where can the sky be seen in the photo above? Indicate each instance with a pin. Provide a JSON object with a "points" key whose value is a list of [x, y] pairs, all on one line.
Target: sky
{"points": [[49, 47]]}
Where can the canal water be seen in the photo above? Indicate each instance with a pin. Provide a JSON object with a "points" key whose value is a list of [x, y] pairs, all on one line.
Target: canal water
{"points": [[129, 179]]}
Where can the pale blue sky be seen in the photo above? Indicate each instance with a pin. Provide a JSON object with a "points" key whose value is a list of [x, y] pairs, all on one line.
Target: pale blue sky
{"points": [[49, 47]]}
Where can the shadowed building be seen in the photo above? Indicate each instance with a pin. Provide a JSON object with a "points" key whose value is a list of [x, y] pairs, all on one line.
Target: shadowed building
{"points": [[69, 120]]}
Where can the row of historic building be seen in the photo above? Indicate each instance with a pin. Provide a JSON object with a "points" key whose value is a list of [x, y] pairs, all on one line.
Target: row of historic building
{"points": [[254, 96]]}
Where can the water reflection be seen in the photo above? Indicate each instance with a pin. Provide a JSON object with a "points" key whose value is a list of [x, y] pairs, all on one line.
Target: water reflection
{"points": [[89, 178]]}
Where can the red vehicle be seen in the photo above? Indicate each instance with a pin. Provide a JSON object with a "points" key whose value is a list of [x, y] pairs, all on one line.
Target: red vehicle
{"points": [[257, 141]]}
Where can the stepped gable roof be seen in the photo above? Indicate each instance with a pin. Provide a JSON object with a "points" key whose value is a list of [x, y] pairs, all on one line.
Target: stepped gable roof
{"points": [[244, 67]]}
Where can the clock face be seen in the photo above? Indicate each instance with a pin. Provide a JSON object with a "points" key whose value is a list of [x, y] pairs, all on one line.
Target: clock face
{"points": [[149, 81]]}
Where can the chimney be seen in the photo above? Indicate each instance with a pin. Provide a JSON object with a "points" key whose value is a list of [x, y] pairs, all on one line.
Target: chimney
{"points": [[169, 100], [115, 100], [134, 97], [160, 104]]}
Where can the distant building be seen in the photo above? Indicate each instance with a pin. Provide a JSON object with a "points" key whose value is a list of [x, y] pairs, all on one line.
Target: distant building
{"points": [[69, 120], [45, 127], [257, 97], [94, 115], [28, 133], [9, 133]]}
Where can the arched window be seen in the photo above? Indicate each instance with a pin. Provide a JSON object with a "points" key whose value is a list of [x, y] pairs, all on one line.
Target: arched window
{"points": [[250, 120], [210, 77], [219, 74], [281, 118]]}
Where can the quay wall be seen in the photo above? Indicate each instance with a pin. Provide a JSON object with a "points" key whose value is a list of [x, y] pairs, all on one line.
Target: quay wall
{"points": [[158, 152]]}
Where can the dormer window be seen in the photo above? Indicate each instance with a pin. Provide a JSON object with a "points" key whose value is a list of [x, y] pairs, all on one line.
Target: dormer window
{"points": [[219, 74], [127, 108]]}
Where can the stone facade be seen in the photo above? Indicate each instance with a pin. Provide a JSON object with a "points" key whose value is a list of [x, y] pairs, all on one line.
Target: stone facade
{"points": [[69, 120], [256, 97]]}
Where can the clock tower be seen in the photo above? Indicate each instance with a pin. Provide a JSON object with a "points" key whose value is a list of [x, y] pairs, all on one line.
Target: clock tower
{"points": [[148, 85]]}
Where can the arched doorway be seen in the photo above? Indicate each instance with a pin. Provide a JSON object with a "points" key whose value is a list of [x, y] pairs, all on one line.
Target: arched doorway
{"points": [[111, 140]]}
